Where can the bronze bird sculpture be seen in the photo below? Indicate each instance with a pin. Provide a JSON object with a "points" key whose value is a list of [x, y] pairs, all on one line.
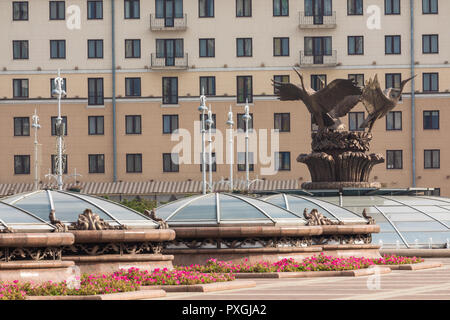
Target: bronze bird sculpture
{"points": [[378, 102], [321, 103]]}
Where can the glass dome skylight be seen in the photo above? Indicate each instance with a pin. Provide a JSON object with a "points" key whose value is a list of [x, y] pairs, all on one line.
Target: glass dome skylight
{"points": [[21, 221], [68, 206], [220, 208], [405, 221]]}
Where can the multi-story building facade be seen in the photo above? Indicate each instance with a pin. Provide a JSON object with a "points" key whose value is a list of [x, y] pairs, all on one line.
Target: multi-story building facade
{"points": [[134, 72]]}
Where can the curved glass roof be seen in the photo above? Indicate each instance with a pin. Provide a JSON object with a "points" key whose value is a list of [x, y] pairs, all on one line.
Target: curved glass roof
{"points": [[222, 208], [69, 205], [405, 221], [21, 221], [298, 204]]}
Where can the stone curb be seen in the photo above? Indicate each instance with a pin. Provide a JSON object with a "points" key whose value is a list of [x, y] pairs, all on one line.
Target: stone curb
{"points": [[134, 295], [416, 266], [209, 287], [312, 274]]}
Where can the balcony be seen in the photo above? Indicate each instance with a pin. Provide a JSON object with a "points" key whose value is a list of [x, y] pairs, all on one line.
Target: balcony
{"points": [[311, 60], [168, 24], [317, 21], [168, 63]]}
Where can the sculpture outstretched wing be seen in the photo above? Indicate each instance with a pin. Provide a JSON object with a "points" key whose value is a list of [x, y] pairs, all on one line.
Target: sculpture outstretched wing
{"points": [[335, 93], [288, 91], [345, 106], [374, 98]]}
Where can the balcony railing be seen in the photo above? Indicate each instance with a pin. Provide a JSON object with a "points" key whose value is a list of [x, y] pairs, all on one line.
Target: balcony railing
{"points": [[168, 24], [319, 60], [169, 62], [317, 21]]}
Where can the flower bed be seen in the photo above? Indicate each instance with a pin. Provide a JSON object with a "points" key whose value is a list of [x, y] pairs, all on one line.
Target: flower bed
{"points": [[315, 263], [172, 277]]}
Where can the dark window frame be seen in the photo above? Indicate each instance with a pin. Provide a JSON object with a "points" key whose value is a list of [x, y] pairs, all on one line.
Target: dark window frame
{"points": [[20, 4], [25, 165], [393, 44], [98, 99], [208, 54], [240, 122], [430, 74], [99, 160], [357, 114], [394, 153], [96, 15], [133, 129], [430, 47], [281, 9], [134, 54], [316, 77], [251, 162], [136, 87], [199, 9], [96, 131], [278, 156], [244, 47], [351, 4], [53, 125], [132, 13], [57, 4], [355, 52], [244, 14], [245, 94], [171, 128], [282, 53], [209, 92], [58, 43], [22, 88], [96, 44], [23, 54], [134, 163], [22, 127], [393, 113], [425, 123], [282, 115], [392, 6], [431, 151], [431, 12], [171, 99], [279, 78], [173, 167]]}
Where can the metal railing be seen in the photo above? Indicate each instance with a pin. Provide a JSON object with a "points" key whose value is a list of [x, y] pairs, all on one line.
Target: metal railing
{"points": [[169, 63], [317, 21], [307, 59], [168, 23]]}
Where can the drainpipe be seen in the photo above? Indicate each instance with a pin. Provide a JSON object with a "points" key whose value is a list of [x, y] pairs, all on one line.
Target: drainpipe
{"points": [[113, 67], [413, 98]]}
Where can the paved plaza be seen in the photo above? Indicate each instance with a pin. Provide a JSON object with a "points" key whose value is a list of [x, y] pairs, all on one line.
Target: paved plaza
{"points": [[431, 284]]}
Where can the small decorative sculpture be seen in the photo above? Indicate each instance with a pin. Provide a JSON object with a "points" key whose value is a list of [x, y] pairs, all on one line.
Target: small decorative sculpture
{"points": [[7, 230], [369, 219], [60, 227], [378, 102], [314, 218], [152, 215], [335, 100], [91, 221]]}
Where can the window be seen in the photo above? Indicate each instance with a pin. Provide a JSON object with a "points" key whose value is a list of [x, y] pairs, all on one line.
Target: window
{"points": [[170, 90], [280, 78], [213, 127], [243, 8], [57, 49], [281, 47], [282, 122], [208, 86], [318, 47], [392, 45], [318, 9], [393, 80], [53, 121], [430, 43], [394, 159], [20, 10], [431, 120], [168, 10], [430, 6], [431, 82], [132, 9], [244, 89], [21, 126], [20, 49], [355, 120], [241, 161], [394, 120], [318, 81], [281, 8], [20, 88], [134, 163], [213, 161], [170, 123], [207, 48], [206, 8], [132, 48], [94, 10], [355, 45], [96, 163], [358, 78], [64, 164], [354, 7], [171, 162], [244, 47], [133, 124], [283, 161], [96, 125], [133, 87], [95, 91], [436, 192], [241, 124], [169, 49], [22, 164], [391, 7], [432, 159], [95, 49], [57, 10], [53, 87]]}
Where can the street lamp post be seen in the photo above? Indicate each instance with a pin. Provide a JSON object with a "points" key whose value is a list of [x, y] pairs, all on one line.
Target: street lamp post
{"points": [[202, 108], [59, 92], [230, 122], [36, 126], [210, 123], [246, 118]]}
